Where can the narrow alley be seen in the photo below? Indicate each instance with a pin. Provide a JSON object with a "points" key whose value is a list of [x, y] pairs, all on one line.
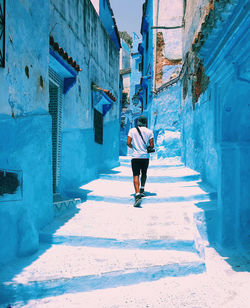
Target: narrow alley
{"points": [[88, 85], [106, 253]]}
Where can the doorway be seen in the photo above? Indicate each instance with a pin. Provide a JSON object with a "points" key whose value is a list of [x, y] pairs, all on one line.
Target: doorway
{"points": [[55, 110]]}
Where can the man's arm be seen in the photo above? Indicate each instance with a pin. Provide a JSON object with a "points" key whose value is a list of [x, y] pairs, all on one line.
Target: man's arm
{"points": [[129, 144]]}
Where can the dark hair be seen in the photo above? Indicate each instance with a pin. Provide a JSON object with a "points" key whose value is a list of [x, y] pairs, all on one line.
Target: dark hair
{"points": [[142, 121]]}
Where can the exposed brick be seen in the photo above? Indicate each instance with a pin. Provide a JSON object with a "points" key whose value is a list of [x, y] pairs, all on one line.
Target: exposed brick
{"points": [[161, 60]]}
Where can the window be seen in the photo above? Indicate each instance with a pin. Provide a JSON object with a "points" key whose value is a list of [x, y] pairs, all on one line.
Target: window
{"points": [[11, 185], [98, 126], [147, 40], [8, 182], [2, 33], [55, 110]]}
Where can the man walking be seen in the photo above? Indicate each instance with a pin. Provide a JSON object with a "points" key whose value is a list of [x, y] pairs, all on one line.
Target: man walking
{"points": [[139, 138]]}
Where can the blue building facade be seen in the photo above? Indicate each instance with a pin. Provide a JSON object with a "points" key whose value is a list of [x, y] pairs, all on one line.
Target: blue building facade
{"points": [[215, 110], [26, 199], [136, 96], [208, 102], [59, 112], [161, 65], [125, 72], [146, 50], [107, 17]]}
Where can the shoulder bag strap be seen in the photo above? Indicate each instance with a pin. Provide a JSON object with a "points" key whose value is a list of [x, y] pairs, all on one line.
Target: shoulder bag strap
{"points": [[140, 134]]}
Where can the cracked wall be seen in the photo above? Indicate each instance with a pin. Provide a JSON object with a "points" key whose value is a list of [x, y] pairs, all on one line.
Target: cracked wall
{"points": [[214, 111], [166, 69]]}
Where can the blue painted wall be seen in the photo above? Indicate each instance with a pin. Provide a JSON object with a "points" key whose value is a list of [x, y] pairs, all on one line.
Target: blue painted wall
{"points": [[25, 129], [108, 20], [215, 125], [25, 122], [165, 121], [124, 55], [82, 157], [197, 135], [135, 78], [148, 58]]}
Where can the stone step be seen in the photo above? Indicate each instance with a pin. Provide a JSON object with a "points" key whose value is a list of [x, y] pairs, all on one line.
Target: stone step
{"points": [[171, 226], [112, 243], [69, 269]]}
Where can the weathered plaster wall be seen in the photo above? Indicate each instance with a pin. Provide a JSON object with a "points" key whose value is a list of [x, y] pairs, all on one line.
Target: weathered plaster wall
{"points": [[25, 128], [86, 40], [165, 121], [126, 82], [91, 159], [135, 76], [164, 114], [167, 42], [198, 136], [198, 133], [25, 124], [124, 55], [195, 12], [166, 69], [107, 17], [169, 15], [148, 57], [215, 92]]}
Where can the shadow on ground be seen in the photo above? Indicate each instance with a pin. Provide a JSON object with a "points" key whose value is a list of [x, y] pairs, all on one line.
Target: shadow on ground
{"points": [[153, 179], [207, 225], [89, 241], [114, 279], [16, 266]]}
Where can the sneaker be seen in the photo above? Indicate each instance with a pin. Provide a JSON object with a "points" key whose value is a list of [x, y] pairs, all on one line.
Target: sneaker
{"points": [[138, 200], [142, 192]]}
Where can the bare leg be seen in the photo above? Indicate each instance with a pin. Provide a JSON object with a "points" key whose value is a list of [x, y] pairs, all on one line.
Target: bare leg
{"points": [[136, 184]]}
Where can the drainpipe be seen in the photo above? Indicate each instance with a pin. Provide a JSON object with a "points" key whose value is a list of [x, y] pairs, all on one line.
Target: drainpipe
{"points": [[156, 23]]}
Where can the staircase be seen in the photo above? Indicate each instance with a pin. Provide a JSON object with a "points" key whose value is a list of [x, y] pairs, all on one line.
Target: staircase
{"points": [[106, 244]]}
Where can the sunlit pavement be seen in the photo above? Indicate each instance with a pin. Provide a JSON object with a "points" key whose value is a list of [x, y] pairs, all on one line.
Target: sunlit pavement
{"points": [[106, 253]]}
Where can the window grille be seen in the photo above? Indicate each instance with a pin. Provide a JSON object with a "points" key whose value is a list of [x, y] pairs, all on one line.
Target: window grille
{"points": [[2, 33], [55, 110], [98, 126]]}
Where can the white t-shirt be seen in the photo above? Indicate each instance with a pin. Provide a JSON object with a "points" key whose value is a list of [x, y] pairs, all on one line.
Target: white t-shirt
{"points": [[139, 149]]}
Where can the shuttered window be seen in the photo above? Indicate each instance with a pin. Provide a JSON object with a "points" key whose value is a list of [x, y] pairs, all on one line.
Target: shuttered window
{"points": [[98, 126], [55, 110], [2, 33]]}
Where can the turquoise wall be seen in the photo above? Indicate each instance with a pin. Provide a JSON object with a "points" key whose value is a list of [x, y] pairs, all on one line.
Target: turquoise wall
{"points": [[83, 158], [25, 128], [25, 123], [215, 110]]}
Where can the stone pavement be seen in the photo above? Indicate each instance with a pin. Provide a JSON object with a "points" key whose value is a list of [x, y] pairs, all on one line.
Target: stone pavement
{"points": [[106, 253]]}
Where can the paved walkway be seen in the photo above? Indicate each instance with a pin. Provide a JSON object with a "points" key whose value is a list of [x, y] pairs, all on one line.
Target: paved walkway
{"points": [[106, 253]]}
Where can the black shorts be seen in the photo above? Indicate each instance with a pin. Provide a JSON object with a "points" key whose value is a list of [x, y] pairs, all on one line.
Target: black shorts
{"points": [[139, 165]]}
